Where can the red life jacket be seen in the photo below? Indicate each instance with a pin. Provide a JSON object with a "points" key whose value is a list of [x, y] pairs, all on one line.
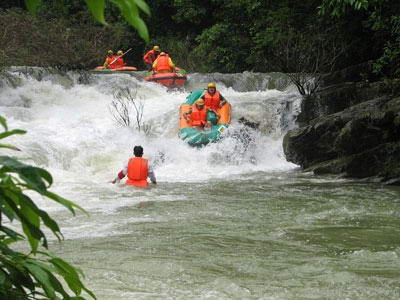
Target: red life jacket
{"points": [[120, 63], [198, 117], [109, 61], [150, 56], [162, 64], [138, 172], [212, 101]]}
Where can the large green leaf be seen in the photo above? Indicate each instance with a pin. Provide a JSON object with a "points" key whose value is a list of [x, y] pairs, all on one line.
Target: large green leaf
{"points": [[69, 273], [143, 6], [11, 132], [33, 176], [17, 274], [68, 204], [11, 233], [43, 277], [33, 222], [47, 220], [28, 220], [12, 147], [130, 12], [5, 208], [97, 9], [3, 277], [3, 122]]}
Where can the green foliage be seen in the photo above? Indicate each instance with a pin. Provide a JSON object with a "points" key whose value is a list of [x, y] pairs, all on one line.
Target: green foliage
{"points": [[226, 35], [32, 5], [129, 9], [382, 18], [389, 62], [340, 7], [30, 41], [38, 273], [220, 50]]}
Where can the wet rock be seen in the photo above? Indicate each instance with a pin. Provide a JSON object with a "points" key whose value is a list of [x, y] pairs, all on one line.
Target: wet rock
{"points": [[361, 141], [248, 123], [335, 98]]}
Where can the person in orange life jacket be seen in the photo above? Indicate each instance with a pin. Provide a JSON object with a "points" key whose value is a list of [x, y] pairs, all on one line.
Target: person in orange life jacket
{"points": [[197, 115], [137, 169], [150, 57], [212, 98], [163, 64], [109, 59], [119, 60]]}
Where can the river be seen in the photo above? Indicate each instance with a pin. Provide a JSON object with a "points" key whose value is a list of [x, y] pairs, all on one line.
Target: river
{"points": [[233, 220]]}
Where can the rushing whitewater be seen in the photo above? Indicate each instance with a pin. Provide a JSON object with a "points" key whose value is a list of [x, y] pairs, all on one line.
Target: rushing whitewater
{"points": [[72, 132], [232, 220]]}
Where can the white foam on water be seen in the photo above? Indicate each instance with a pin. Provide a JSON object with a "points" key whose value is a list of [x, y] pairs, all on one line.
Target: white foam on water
{"points": [[72, 134]]}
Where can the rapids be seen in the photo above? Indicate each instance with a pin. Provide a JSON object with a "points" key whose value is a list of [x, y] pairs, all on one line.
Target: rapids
{"points": [[232, 220]]}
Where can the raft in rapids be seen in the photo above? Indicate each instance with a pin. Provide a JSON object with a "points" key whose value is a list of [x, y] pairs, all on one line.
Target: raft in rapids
{"points": [[170, 79], [199, 137], [125, 69]]}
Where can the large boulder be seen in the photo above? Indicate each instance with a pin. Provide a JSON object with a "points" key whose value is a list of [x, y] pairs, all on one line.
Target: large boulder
{"points": [[362, 141], [335, 98]]}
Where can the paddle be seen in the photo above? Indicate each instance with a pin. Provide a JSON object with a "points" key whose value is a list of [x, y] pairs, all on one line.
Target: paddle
{"points": [[119, 56]]}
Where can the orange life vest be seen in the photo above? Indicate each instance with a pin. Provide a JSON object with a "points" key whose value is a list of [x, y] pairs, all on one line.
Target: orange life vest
{"points": [[198, 117], [212, 101], [109, 61], [137, 172], [162, 64], [150, 56]]}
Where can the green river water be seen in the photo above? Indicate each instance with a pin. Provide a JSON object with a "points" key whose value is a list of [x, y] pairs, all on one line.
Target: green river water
{"points": [[270, 236]]}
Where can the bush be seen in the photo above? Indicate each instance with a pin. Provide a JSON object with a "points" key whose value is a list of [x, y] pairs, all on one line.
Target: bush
{"points": [[26, 40]]}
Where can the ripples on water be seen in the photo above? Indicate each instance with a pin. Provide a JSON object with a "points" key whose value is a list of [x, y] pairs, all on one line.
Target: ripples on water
{"points": [[223, 223]]}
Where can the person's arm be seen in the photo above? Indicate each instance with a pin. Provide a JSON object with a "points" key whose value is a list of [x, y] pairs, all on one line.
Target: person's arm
{"points": [[146, 58], [223, 101], [151, 174], [186, 115], [207, 123], [121, 175], [171, 64]]}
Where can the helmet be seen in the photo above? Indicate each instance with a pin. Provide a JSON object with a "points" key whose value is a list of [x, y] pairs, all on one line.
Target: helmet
{"points": [[200, 102], [156, 48], [120, 52], [162, 53], [110, 52], [211, 85]]}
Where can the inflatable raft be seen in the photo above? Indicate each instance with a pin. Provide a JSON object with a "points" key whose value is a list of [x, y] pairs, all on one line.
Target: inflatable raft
{"points": [[199, 137], [171, 80], [102, 69]]}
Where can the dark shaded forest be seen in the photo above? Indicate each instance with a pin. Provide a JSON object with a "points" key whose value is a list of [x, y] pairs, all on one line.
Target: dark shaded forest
{"points": [[211, 35]]}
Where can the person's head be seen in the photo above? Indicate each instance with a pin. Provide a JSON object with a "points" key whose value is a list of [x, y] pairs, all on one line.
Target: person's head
{"points": [[120, 52], [156, 48], [162, 54], [110, 53], [211, 87], [200, 103], [138, 151]]}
